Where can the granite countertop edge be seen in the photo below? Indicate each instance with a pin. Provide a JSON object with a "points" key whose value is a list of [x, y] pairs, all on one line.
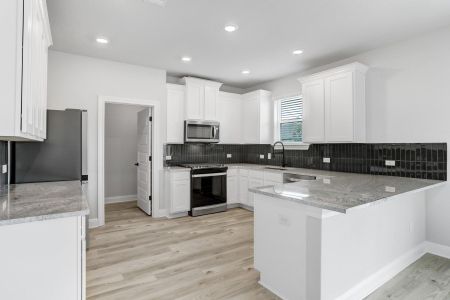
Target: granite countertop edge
{"points": [[34, 202], [337, 208], [38, 218]]}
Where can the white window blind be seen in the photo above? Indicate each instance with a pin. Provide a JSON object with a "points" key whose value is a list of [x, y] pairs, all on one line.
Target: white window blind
{"points": [[291, 119]]}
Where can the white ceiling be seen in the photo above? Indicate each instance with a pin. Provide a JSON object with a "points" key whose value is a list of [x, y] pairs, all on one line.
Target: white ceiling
{"points": [[269, 30]]}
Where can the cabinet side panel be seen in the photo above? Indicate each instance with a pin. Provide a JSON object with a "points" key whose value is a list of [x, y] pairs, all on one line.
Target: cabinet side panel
{"points": [[40, 260], [10, 31]]}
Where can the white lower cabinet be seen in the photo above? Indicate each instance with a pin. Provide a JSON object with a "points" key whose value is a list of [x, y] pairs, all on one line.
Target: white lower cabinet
{"points": [[44, 260], [240, 180], [178, 189], [232, 186]]}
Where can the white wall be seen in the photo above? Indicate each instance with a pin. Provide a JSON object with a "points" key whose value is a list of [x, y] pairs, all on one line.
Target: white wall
{"points": [[408, 100], [77, 81], [120, 150]]}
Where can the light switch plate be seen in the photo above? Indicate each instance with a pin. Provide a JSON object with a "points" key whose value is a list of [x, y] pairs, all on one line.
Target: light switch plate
{"points": [[168, 157], [261, 156], [269, 155], [4, 169], [229, 155], [326, 160], [390, 163]]}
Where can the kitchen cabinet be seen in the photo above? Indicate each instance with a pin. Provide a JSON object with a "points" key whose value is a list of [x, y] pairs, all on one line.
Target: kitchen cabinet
{"points": [[243, 187], [232, 186], [229, 116], [25, 31], [45, 259], [334, 105], [175, 113], [201, 99], [178, 189], [257, 118]]}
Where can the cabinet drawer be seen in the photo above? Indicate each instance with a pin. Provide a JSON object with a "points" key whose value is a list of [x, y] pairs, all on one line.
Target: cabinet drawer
{"points": [[243, 172], [180, 175], [273, 176], [256, 174], [233, 172]]}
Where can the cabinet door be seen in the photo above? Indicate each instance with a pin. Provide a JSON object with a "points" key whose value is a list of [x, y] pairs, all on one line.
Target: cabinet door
{"points": [[175, 114], [250, 120], [252, 183], [232, 189], [339, 107], [243, 190], [313, 111], [211, 93], [180, 196], [195, 101]]}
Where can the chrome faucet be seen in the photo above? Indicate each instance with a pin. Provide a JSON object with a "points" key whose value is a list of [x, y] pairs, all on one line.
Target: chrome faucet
{"points": [[283, 162]]}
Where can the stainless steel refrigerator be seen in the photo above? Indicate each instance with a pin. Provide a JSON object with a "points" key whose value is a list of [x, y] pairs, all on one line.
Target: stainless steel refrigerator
{"points": [[61, 157]]}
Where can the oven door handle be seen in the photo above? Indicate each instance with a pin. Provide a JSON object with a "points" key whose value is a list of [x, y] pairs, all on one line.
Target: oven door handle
{"points": [[209, 175]]}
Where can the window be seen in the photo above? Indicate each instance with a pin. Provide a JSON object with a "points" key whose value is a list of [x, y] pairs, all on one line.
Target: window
{"points": [[289, 120]]}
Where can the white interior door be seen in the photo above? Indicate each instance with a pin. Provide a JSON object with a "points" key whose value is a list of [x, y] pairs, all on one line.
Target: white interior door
{"points": [[144, 154]]}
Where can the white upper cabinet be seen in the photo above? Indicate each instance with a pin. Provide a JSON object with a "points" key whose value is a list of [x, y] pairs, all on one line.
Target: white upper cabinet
{"points": [[229, 116], [25, 31], [175, 113], [257, 118], [334, 108], [201, 99], [313, 111]]}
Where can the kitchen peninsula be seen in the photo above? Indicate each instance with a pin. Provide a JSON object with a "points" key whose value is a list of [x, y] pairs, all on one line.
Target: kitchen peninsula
{"points": [[339, 236], [42, 229]]}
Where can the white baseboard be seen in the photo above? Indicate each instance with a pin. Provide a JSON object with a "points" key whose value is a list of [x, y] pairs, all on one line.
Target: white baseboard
{"points": [[371, 283], [437, 249], [120, 199], [274, 291], [93, 223]]}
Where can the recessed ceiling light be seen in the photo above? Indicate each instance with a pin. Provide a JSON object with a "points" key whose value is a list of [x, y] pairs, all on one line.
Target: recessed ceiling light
{"points": [[186, 58], [102, 40], [245, 72], [297, 52], [231, 28]]}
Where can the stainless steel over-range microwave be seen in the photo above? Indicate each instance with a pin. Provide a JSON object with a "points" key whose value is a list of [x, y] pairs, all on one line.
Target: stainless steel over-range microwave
{"points": [[201, 131]]}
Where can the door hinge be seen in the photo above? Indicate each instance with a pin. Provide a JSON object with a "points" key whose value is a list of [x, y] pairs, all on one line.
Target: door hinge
{"points": [[150, 119], [150, 198], [149, 158]]}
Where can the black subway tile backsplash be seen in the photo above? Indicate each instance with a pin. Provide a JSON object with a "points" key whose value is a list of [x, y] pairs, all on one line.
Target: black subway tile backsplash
{"points": [[415, 160]]}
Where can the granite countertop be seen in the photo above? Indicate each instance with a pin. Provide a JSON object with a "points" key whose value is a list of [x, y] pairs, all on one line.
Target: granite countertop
{"points": [[30, 202], [342, 192]]}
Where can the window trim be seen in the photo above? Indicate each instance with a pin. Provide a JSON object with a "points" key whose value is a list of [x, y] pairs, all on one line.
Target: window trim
{"points": [[277, 126]]}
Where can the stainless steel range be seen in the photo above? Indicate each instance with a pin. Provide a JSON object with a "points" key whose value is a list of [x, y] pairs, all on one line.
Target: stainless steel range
{"points": [[208, 188]]}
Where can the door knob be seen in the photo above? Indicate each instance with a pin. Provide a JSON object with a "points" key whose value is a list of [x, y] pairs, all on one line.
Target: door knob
{"points": [[136, 164]]}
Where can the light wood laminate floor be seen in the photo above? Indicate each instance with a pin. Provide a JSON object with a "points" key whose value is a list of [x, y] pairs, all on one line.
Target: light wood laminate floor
{"points": [[134, 257]]}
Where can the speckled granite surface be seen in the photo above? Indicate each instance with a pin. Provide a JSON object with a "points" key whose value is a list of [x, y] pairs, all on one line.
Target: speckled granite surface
{"points": [[31, 202], [342, 192]]}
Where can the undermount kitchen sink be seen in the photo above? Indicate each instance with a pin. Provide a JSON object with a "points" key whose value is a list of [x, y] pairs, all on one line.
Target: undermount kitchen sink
{"points": [[275, 168], [291, 177]]}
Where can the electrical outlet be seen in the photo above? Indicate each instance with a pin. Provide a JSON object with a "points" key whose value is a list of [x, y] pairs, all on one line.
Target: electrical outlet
{"points": [[326, 160], [261, 156], [168, 157], [269, 155], [229, 155], [4, 169], [389, 189], [389, 163]]}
